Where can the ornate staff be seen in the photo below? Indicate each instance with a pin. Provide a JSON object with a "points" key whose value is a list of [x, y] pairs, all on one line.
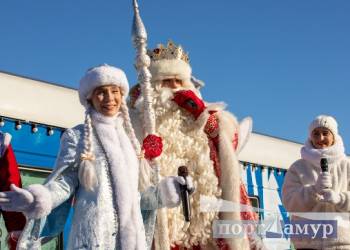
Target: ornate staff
{"points": [[142, 63]]}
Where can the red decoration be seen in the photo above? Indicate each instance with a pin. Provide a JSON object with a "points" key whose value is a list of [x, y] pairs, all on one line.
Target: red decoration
{"points": [[247, 215], [213, 144], [212, 126], [235, 141], [152, 146], [9, 174]]}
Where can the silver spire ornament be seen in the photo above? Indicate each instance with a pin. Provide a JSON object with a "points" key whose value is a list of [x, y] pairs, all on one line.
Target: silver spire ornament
{"points": [[142, 63]]}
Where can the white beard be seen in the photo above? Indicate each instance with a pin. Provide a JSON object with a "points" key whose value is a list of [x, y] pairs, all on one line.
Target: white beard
{"points": [[185, 144]]}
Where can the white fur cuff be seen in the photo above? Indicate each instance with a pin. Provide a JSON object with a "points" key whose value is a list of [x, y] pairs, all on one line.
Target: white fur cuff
{"points": [[42, 204], [169, 192]]}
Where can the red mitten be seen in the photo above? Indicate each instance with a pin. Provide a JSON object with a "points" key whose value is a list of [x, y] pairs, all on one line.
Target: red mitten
{"points": [[188, 100], [152, 146]]}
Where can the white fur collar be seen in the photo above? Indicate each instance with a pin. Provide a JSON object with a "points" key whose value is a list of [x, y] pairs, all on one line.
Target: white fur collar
{"points": [[333, 153], [123, 163], [100, 118]]}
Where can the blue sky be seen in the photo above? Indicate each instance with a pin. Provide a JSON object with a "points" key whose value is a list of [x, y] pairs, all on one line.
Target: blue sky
{"points": [[281, 62]]}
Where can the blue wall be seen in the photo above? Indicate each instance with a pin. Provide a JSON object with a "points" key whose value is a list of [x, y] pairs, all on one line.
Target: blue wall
{"points": [[33, 149]]}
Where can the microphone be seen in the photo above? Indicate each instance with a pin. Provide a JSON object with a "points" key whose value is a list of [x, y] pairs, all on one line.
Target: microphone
{"points": [[324, 165], [184, 193]]}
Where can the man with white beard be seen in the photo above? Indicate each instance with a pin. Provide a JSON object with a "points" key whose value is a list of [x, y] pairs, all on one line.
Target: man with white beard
{"points": [[201, 136]]}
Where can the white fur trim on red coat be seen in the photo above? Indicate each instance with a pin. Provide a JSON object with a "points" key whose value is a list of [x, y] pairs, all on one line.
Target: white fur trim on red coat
{"points": [[231, 173], [229, 164], [42, 205], [5, 140]]}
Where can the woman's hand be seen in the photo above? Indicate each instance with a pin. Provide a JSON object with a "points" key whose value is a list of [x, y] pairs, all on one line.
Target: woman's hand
{"points": [[324, 181], [18, 199], [330, 196]]}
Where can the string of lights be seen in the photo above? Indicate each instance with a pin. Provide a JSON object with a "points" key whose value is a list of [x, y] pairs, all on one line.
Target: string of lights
{"points": [[263, 168], [34, 127]]}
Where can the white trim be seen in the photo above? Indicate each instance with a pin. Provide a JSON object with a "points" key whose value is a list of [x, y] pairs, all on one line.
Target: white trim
{"points": [[35, 169]]}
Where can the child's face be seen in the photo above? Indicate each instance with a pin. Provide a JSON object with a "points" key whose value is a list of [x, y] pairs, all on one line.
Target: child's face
{"points": [[322, 138]]}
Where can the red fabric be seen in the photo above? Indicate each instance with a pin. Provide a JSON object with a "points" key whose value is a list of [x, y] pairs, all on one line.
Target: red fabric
{"points": [[222, 245], [235, 141], [188, 100], [211, 128], [214, 157], [152, 146], [247, 215], [12, 243], [192, 248], [9, 174]]}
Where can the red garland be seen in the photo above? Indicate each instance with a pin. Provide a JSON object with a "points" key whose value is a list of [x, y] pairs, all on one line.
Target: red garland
{"points": [[152, 146]]}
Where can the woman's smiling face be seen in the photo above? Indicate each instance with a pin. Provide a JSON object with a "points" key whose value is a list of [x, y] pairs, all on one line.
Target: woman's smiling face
{"points": [[322, 138], [107, 99]]}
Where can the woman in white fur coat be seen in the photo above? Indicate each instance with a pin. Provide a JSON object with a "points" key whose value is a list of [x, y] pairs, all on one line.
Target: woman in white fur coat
{"points": [[99, 167], [307, 188]]}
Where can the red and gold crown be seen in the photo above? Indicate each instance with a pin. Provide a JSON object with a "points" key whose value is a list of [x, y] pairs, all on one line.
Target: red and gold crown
{"points": [[170, 52]]}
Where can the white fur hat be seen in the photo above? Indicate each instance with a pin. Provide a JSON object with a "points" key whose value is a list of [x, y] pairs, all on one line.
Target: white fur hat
{"points": [[100, 76], [169, 61], [170, 68], [324, 121]]}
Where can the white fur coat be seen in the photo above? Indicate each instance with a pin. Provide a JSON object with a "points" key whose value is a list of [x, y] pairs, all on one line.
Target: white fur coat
{"points": [[110, 216], [299, 195]]}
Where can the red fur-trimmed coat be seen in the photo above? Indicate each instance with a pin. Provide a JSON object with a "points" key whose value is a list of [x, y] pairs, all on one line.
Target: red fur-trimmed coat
{"points": [[9, 174]]}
